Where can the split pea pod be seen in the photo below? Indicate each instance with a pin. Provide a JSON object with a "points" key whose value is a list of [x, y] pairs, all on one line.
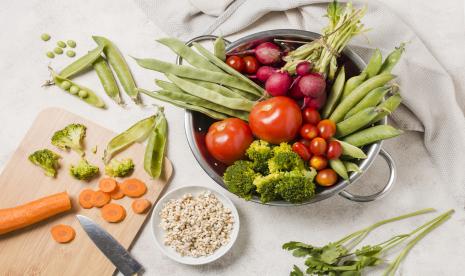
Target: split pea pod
{"points": [[392, 59], [81, 64], [195, 73], [339, 168], [119, 65], [351, 150], [107, 79], [374, 65], [370, 100], [156, 147], [209, 95], [335, 94], [356, 122], [353, 83], [219, 48], [388, 106], [351, 166], [371, 135], [358, 94]]}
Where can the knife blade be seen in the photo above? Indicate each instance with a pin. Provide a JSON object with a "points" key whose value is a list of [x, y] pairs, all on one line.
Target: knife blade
{"points": [[110, 247]]}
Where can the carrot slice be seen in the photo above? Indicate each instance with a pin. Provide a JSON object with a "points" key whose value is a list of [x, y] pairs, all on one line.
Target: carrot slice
{"points": [[133, 187], [86, 198], [140, 205], [113, 212], [107, 185], [117, 193], [62, 233], [100, 198]]}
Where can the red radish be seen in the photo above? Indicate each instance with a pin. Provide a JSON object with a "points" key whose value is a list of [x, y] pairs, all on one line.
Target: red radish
{"points": [[295, 92], [312, 85], [316, 103], [268, 53], [303, 68], [264, 72], [278, 84]]}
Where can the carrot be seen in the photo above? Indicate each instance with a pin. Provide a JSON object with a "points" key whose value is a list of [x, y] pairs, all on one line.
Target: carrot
{"points": [[113, 212], [140, 205], [133, 187], [32, 212], [117, 193], [86, 197], [107, 185], [62, 233], [100, 198]]}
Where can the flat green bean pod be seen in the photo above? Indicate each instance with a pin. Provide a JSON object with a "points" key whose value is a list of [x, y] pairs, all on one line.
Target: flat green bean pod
{"points": [[392, 59], [356, 122], [219, 48], [335, 94], [388, 106], [119, 65], [339, 168], [370, 100], [81, 64], [351, 166], [156, 147], [372, 134], [351, 151], [107, 79], [218, 88], [136, 133], [353, 83], [374, 65], [243, 93]]}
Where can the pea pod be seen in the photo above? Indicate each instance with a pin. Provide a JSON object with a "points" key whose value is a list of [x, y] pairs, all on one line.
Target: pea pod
{"points": [[374, 65], [358, 94], [339, 168], [356, 122], [335, 93], [107, 79], [370, 100], [351, 166], [219, 48], [81, 64], [351, 151], [387, 107], [119, 65], [372, 134], [353, 83], [392, 59], [155, 149], [136, 133]]}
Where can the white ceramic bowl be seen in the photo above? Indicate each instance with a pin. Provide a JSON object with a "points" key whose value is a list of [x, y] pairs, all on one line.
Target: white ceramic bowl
{"points": [[159, 233]]}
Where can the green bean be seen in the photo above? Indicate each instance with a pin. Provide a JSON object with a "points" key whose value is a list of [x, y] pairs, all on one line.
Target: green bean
{"points": [[392, 59], [219, 48], [356, 122], [83, 94], [335, 93], [91, 98], [372, 134], [374, 65], [370, 100], [351, 166], [74, 89], [45, 37], [50, 54], [218, 88], [155, 150], [358, 94], [119, 65], [136, 133], [352, 151], [71, 43], [81, 64], [387, 107], [188, 54], [61, 44], [353, 83], [71, 53], [195, 73], [339, 168], [228, 69], [243, 93], [58, 50], [107, 79]]}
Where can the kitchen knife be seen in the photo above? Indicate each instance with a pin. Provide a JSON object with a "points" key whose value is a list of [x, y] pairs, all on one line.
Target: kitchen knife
{"points": [[114, 251]]}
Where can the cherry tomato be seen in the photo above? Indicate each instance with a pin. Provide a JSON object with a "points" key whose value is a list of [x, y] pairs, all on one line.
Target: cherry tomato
{"points": [[306, 142], [326, 177], [251, 64], [318, 146], [311, 116], [308, 131], [228, 140], [276, 120], [318, 162], [301, 150], [327, 128], [236, 62], [334, 150]]}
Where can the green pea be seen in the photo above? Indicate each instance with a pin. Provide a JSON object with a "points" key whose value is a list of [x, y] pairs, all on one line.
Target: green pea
{"points": [[74, 90], [70, 53], [83, 94], [71, 43], [50, 54], [65, 85], [58, 50], [45, 37], [61, 44]]}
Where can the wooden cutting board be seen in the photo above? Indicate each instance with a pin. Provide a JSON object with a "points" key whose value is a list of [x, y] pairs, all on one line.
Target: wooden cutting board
{"points": [[32, 251]]}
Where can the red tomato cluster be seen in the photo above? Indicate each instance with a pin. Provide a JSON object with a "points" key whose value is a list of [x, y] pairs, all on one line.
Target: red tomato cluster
{"points": [[247, 64]]}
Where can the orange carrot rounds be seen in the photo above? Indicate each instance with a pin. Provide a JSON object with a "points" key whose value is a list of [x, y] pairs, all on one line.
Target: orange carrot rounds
{"points": [[86, 198], [100, 198], [133, 187], [113, 212], [140, 205], [107, 185], [63, 233], [117, 193]]}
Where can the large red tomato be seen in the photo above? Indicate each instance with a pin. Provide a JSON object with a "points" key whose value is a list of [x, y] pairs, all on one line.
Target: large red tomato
{"points": [[228, 140], [276, 120]]}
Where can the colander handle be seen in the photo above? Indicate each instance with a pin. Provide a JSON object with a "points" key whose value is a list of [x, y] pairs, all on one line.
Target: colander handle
{"points": [[197, 39], [392, 178]]}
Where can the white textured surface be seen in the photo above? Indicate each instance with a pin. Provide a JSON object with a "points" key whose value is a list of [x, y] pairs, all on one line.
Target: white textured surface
{"points": [[263, 229]]}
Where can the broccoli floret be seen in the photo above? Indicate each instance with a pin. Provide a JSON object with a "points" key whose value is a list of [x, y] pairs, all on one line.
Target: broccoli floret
{"points": [[285, 160], [296, 186], [266, 187], [83, 170], [47, 160], [260, 152], [70, 138], [119, 168], [239, 179]]}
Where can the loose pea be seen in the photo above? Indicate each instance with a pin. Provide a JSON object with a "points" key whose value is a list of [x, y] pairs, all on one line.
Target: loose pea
{"points": [[83, 94], [65, 85], [61, 44], [71, 43], [70, 53], [58, 50], [45, 37], [74, 90], [50, 54]]}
